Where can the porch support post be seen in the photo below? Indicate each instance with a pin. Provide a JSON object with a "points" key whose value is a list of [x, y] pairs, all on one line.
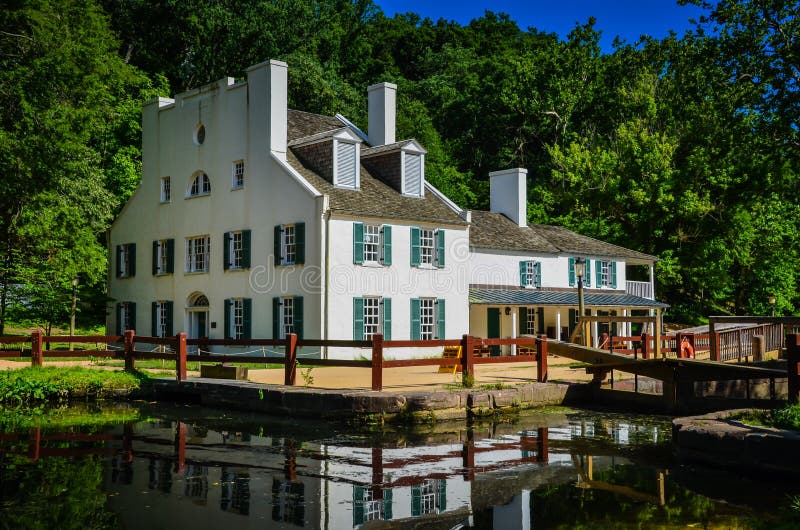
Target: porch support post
{"points": [[558, 324], [652, 284], [513, 347]]}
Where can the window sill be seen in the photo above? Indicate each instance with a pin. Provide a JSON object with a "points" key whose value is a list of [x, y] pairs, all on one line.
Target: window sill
{"points": [[240, 188], [373, 264], [198, 195], [192, 273], [289, 264], [159, 274], [236, 269], [165, 202], [125, 277]]}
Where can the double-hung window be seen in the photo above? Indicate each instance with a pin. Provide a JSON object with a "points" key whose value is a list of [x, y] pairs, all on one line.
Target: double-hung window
{"points": [[606, 273], [238, 318], [161, 315], [290, 244], [237, 175], [198, 253], [287, 316], [530, 273], [126, 316], [126, 260], [372, 244], [372, 315], [236, 250], [429, 497], [166, 189], [163, 256], [427, 247], [427, 319]]}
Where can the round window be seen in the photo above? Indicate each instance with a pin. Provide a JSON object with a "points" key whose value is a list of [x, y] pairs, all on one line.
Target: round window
{"points": [[200, 134]]}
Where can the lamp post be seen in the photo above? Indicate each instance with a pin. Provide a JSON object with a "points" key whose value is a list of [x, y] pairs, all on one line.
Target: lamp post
{"points": [[73, 309], [771, 302], [580, 271]]}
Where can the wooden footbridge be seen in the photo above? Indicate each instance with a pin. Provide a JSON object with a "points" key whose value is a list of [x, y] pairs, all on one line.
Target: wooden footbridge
{"points": [[689, 384]]}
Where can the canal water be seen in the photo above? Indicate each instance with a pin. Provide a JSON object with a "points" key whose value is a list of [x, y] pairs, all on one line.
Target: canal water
{"points": [[191, 467]]}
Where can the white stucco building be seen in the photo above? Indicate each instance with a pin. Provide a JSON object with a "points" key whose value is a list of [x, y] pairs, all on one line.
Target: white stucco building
{"points": [[255, 220]]}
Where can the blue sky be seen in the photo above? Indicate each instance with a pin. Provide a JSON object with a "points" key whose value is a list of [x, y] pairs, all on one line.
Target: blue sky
{"points": [[627, 18]]}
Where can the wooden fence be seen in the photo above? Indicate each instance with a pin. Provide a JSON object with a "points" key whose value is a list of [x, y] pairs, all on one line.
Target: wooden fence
{"points": [[175, 349]]}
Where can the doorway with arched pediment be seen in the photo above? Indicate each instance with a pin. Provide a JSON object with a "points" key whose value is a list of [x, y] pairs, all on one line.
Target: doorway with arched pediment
{"points": [[197, 316]]}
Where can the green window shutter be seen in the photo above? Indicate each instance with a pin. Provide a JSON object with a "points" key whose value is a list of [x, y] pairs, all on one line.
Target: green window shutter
{"points": [[540, 320], [598, 267], [571, 272], [416, 501], [227, 319], [415, 250], [442, 495], [155, 258], [358, 506], [415, 327], [523, 320], [169, 331], [440, 248], [358, 243], [154, 318], [297, 323], [613, 274], [387, 245], [358, 319], [246, 242], [277, 244], [440, 321], [119, 319], [300, 243], [132, 317], [226, 251], [523, 269], [119, 263], [572, 314], [276, 318], [170, 256], [132, 258], [387, 318], [387, 504], [247, 318]]}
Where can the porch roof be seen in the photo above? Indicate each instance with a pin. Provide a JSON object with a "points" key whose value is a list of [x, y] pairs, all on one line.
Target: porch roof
{"points": [[562, 298]]}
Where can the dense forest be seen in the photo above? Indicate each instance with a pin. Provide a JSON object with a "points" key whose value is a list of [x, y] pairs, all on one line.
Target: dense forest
{"points": [[685, 148]]}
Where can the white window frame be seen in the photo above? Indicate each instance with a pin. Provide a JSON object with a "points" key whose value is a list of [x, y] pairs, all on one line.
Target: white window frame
{"points": [[166, 189], [427, 246], [337, 180], [124, 260], [605, 273], [287, 317], [373, 316], [373, 243], [237, 318], [124, 317], [373, 508], [288, 245], [161, 317], [530, 273], [237, 175], [530, 322], [428, 493], [198, 254], [200, 185], [161, 257], [235, 250], [427, 318]]}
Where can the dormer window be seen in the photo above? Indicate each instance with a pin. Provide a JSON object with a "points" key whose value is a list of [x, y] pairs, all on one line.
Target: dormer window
{"points": [[345, 164], [413, 173], [201, 185]]}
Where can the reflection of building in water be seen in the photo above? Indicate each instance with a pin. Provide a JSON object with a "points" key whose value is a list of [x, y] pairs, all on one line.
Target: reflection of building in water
{"points": [[235, 491], [121, 470], [366, 507], [160, 475], [288, 501], [429, 497], [195, 481]]}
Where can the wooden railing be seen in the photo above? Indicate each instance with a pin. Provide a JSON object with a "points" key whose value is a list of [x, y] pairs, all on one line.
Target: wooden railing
{"points": [[175, 349], [642, 289]]}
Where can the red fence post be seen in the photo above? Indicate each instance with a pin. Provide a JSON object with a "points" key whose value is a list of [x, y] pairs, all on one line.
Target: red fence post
{"points": [[793, 366], [36, 348], [541, 359], [290, 360], [180, 357], [129, 365], [714, 342], [377, 362], [35, 443], [467, 357], [645, 346]]}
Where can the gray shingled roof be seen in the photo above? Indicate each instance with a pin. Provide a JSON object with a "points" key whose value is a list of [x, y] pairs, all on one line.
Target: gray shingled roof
{"points": [[374, 198], [560, 298], [496, 231]]}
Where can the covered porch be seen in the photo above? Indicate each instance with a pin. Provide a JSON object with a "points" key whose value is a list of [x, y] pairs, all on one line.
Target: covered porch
{"points": [[510, 313]]}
